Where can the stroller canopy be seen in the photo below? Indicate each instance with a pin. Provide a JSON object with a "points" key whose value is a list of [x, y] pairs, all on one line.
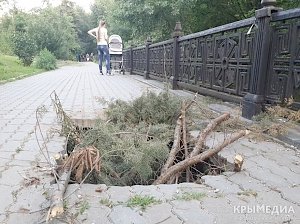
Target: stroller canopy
{"points": [[115, 44]]}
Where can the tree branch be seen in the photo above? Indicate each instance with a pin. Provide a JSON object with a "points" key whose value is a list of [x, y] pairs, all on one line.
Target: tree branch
{"points": [[164, 177]]}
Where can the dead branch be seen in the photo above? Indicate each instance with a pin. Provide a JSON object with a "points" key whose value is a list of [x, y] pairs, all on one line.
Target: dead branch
{"points": [[57, 206], [176, 145], [192, 102], [82, 161], [184, 138], [203, 135], [164, 177]]}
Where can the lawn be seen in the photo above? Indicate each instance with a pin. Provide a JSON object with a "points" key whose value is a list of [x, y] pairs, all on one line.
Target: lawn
{"points": [[11, 67]]}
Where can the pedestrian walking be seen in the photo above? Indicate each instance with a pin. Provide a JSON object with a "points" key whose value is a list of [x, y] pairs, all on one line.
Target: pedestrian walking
{"points": [[100, 33]]}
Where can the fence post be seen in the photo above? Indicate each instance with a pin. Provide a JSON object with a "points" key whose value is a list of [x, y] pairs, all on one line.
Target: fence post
{"points": [[146, 73], [131, 59], [175, 66], [253, 102]]}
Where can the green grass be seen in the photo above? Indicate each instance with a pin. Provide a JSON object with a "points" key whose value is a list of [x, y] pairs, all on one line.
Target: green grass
{"points": [[188, 196], [83, 207], [11, 67], [142, 201], [248, 193], [106, 202]]}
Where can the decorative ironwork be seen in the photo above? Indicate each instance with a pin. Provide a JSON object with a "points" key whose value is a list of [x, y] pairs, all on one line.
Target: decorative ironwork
{"points": [[284, 65], [126, 60], [139, 60], [230, 61], [161, 59], [219, 62]]}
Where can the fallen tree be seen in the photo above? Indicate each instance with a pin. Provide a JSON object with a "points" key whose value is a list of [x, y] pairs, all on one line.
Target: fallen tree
{"points": [[190, 161]]}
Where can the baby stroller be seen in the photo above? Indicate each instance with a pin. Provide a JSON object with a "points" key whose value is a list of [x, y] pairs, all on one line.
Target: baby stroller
{"points": [[115, 52]]}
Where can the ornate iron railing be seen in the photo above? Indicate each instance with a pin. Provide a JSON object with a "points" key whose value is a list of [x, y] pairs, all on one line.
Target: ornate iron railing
{"points": [[284, 61], [256, 60]]}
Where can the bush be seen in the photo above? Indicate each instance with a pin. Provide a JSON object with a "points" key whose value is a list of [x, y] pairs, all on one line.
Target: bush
{"points": [[150, 108], [24, 47], [45, 60]]}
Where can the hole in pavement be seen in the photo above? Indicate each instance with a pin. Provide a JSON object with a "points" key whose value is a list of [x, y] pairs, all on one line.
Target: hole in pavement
{"points": [[117, 171]]}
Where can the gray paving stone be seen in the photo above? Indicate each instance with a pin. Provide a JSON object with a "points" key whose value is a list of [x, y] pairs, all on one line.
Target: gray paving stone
{"points": [[11, 177], [221, 108], [191, 212], [169, 191], [31, 198], [5, 135], [95, 216], [10, 146], [4, 160], [6, 197], [222, 184], [26, 155], [282, 171], [150, 190], [21, 163], [87, 192], [24, 218], [160, 213], [2, 218], [10, 128], [267, 178], [222, 211], [246, 182], [126, 215], [119, 194], [19, 136], [291, 194]]}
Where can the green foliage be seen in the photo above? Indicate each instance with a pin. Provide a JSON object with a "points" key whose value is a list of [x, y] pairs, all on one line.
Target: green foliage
{"points": [[142, 201], [188, 196], [6, 29], [149, 108], [24, 47], [5, 42], [131, 156], [134, 143], [55, 31], [106, 202], [248, 193], [45, 60], [135, 20], [84, 205]]}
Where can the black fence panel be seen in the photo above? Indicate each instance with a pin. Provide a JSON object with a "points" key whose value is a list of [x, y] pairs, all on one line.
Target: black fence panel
{"points": [[284, 62], [256, 60], [161, 60]]}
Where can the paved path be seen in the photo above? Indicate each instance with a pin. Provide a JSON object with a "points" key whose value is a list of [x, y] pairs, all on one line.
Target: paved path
{"points": [[270, 179]]}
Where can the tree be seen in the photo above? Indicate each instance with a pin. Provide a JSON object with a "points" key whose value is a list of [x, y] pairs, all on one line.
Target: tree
{"points": [[6, 29], [54, 30], [23, 44]]}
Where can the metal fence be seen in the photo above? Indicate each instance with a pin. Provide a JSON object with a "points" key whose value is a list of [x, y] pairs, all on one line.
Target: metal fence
{"points": [[254, 61]]}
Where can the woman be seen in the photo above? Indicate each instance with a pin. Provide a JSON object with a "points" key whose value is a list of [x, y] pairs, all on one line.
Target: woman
{"points": [[100, 33]]}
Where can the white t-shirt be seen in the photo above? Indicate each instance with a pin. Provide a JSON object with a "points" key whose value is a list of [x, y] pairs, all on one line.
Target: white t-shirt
{"points": [[103, 35]]}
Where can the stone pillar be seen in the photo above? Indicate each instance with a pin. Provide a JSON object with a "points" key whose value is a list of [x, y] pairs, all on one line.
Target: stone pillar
{"points": [[146, 73], [176, 34], [253, 102]]}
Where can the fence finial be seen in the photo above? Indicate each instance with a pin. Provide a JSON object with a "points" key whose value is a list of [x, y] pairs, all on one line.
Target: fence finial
{"points": [[268, 3], [177, 30], [149, 40]]}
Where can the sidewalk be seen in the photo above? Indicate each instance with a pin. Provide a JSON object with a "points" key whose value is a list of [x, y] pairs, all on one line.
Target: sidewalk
{"points": [[266, 191]]}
